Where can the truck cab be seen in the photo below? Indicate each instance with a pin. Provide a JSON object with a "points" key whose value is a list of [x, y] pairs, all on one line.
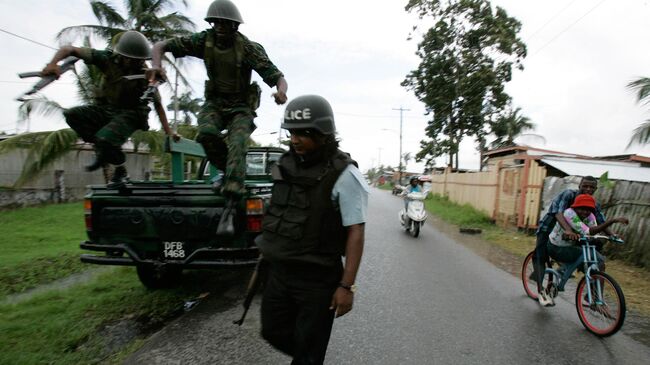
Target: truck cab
{"points": [[163, 227]]}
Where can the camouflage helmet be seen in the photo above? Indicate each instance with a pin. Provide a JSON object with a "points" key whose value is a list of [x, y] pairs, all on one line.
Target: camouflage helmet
{"points": [[132, 44], [309, 112], [223, 9]]}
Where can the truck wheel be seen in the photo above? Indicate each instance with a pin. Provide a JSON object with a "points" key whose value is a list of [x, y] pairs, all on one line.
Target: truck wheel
{"points": [[158, 277]]}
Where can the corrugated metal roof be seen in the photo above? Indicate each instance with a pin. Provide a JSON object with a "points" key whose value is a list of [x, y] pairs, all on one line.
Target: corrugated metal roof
{"points": [[617, 170]]}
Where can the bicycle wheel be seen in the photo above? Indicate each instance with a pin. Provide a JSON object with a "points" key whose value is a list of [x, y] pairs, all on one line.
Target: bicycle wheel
{"points": [[605, 315], [527, 277]]}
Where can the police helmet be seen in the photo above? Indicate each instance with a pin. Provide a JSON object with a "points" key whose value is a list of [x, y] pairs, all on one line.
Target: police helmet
{"points": [[223, 9], [309, 112], [132, 44]]}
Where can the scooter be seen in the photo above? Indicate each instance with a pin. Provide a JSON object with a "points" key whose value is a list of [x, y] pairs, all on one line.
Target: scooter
{"points": [[414, 215]]}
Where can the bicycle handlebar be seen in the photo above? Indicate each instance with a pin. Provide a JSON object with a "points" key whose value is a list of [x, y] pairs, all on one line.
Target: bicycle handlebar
{"points": [[612, 239]]}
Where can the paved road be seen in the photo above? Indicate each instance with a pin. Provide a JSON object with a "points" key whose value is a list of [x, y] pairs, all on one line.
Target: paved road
{"points": [[426, 300]]}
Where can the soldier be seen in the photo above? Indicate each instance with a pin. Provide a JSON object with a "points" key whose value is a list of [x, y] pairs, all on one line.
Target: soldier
{"points": [[317, 214], [117, 110], [230, 98]]}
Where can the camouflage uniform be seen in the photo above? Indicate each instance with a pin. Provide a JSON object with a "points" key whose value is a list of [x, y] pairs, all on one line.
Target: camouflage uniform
{"points": [[116, 111], [230, 99]]}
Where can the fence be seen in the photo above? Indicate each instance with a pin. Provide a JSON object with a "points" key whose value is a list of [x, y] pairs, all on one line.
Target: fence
{"points": [[508, 193], [64, 180]]}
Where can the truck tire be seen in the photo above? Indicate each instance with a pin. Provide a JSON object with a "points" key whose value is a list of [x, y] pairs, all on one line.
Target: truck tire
{"points": [[158, 277]]}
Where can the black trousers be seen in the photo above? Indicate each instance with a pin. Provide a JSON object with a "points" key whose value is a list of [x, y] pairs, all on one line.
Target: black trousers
{"points": [[296, 318]]}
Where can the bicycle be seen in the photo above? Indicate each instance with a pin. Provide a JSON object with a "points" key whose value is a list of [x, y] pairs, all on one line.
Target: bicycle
{"points": [[599, 299]]}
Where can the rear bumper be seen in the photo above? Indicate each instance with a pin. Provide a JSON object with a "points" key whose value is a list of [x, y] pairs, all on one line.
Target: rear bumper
{"points": [[202, 258]]}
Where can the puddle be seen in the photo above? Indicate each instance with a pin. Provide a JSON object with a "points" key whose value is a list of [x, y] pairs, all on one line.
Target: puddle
{"points": [[636, 325], [74, 279]]}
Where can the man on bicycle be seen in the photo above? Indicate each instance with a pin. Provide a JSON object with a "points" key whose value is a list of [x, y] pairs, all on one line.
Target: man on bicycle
{"points": [[560, 203], [582, 221]]}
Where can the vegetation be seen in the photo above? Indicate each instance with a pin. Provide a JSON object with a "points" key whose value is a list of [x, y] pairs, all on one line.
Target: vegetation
{"points": [[466, 59], [641, 134], [39, 245], [73, 325], [70, 326]]}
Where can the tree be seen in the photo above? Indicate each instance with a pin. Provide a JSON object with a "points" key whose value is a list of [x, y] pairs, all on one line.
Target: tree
{"points": [[189, 106], [145, 16], [467, 56], [509, 126], [641, 135]]}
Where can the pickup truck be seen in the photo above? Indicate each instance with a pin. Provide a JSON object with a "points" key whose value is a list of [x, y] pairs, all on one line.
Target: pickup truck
{"points": [[163, 227]]}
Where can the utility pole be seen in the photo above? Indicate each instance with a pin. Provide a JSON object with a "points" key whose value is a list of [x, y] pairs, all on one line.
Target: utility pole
{"points": [[399, 171]]}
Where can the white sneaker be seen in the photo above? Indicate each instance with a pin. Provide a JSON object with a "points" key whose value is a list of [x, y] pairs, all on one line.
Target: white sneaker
{"points": [[545, 300]]}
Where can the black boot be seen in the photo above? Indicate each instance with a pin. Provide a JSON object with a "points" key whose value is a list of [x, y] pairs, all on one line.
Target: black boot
{"points": [[119, 179], [226, 225], [97, 163]]}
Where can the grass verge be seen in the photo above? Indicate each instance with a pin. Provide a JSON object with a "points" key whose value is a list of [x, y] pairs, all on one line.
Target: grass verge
{"points": [[80, 325], [39, 245], [635, 281]]}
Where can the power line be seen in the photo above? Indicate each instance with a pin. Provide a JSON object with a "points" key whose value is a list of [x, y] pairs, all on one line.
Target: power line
{"points": [[27, 39], [567, 28], [549, 21]]}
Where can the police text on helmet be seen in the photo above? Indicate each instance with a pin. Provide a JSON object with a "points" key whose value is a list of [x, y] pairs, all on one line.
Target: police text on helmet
{"points": [[304, 114]]}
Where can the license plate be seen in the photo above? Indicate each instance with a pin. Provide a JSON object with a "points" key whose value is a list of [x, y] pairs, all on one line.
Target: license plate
{"points": [[174, 249]]}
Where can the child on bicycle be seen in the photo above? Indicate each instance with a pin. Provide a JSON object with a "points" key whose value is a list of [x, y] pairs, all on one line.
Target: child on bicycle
{"points": [[582, 221], [559, 204]]}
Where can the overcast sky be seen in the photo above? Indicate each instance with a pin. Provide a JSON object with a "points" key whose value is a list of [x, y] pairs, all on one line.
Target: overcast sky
{"points": [[581, 56]]}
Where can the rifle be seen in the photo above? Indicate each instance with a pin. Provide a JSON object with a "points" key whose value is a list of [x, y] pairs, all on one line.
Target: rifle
{"points": [[253, 286], [149, 97], [66, 65]]}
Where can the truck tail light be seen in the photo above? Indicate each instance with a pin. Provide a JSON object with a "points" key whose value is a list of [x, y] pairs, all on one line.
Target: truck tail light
{"points": [[88, 214], [254, 214], [254, 206], [254, 223]]}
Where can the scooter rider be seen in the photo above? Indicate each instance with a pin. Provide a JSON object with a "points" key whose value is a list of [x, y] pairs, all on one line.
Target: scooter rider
{"points": [[413, 187]]}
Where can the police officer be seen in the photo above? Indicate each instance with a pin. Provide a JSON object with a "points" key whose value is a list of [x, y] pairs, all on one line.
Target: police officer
{"points": [[317, 214], [116, 111], [230, 98]]}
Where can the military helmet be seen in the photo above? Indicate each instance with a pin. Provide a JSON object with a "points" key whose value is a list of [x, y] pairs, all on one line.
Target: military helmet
{"points": [[132, 44], [309, 112], [223, 9]]}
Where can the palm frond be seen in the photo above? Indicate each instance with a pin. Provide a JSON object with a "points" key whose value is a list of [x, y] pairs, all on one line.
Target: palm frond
{"points": [[41, 106], [642, 87], [641, 135], [106, 14], [68, 35]]}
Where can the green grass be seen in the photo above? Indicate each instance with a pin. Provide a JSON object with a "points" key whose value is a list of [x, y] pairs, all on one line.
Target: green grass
{"points": [[39, 245], [462, 215], [63, 327]]}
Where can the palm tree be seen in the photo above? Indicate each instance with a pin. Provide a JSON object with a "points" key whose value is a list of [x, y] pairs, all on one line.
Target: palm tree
{"points": [[510, 126], [641, 135], [187, 105], [145, 16]]}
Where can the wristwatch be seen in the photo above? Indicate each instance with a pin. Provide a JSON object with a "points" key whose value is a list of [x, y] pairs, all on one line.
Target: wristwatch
{"points": [[352, 288]]}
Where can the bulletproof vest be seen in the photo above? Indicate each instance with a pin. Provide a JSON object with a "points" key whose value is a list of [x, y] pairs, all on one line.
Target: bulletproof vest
{"points": [[226, 72], [301, 220], [116, 91]]}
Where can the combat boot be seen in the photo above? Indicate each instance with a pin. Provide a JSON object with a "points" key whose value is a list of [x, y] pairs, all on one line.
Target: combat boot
{"points": [[119, 179], [99, 162], [226, 225]]}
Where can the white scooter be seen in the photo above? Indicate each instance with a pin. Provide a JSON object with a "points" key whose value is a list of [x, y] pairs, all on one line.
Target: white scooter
{"points": [[415, 214]]}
